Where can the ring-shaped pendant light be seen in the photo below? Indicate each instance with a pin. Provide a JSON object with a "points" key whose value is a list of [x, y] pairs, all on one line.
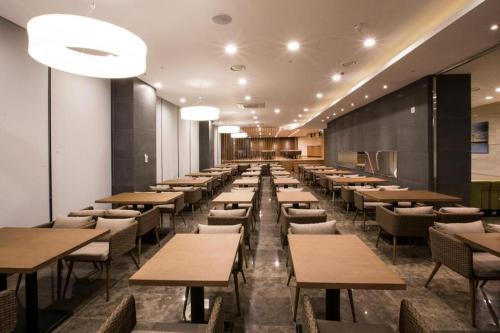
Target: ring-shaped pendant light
{"points": [[86, 46]]}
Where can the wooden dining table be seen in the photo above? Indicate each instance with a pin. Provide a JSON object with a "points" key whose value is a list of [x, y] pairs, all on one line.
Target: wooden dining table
{"points": [[280, 173], [332, 172], [250, 174], [357, 180], [335, 262], [148, 199], [247, 181], [26, 251], [191, 260], [187, 181], [412, 196], [286, 181], [234, 198], [488, 242]]}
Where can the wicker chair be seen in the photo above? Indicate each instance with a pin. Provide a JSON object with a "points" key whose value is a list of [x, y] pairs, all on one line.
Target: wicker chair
{"points": [[286, 219], [245, 221], [174, 209], [146, 222], [459, 257], [123, 320], [457, 217], [347, 196], [8, 311], [402, 225], [237, 268], [410, 321], [361, 205], [192, 197], [119, 241]]}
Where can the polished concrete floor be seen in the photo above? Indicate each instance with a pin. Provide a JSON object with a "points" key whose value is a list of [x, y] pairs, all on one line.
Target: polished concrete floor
{"points": [[266, 299]]}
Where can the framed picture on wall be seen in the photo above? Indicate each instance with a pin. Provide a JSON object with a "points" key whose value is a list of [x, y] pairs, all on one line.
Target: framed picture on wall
{"points": [[479, 138]]}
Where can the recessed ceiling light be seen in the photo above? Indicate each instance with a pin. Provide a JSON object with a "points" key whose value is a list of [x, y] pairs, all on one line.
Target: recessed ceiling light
{"points": [[242, 81], [300, 116], [494, 27], [259, 127], [293, 46], [254, 117], [497, 89], [248, 97], [384, 86], [369, 42], [366, 96], [342, 110], [334, 114], [352, 104], [319, 95], [277, 110], [322, 120], [306, 109], [295, 120], [256, 122], [158, 85], [327, 117], [231, 49], [489, 97], [182, 100], [252, 112], [336, 77]]}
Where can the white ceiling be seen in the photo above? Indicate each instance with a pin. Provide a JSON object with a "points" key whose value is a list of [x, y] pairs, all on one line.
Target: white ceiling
{"points": [[186, 49]]}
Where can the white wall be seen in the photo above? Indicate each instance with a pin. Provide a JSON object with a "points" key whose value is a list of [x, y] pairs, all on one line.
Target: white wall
{"points": [[81, 141], [305, 141], [167, 143], [195, 146], [24, 184], [487, 166]]}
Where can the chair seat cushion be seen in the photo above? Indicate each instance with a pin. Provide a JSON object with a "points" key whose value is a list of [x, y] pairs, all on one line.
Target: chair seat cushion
{"points": [[459, 210], [219, 229], [326, 326], [370, 204], [289, 189], [97, 251], [183, 188], [68, 222], [227, 212], [306, 212], [460, 228], [493, 227], [89, 212], [122, 213], [327, 228], [113, 225], [166, 206], [388, 187], [415, 210], [159, 188], [486, 264], [404, 204]]}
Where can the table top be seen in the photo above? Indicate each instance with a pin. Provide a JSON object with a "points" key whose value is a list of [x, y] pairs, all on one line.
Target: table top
{"points": [[339, 262], [354, 180], [489, 242], [246, 181], [254, 169], [286, 181], [280, 173], [206, 174], [268, 151], [316, 167], [26, 250], [234, 197], [200, 181], [141, 198], [217, 170], [296, 197], [411, 195], [192, 260], [250, 173], [333, 172]]}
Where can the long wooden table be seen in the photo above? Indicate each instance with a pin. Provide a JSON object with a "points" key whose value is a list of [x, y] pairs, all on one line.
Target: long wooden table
{"points": [[148, 199], [488, 242], [334, 262], [234, 198], [192, 260], [411, 195], [27, 250], [187, 181]]}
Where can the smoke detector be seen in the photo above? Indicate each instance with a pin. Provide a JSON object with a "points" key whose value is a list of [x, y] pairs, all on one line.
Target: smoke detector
{"points": [[222, 19], [349, 63], [238, 68]]}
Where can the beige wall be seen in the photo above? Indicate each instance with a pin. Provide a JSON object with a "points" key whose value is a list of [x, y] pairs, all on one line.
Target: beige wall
{"points": [[487, 166], [305, 141]]}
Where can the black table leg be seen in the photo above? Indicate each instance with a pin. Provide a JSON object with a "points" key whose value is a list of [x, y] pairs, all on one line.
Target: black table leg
{"points": [[235, 205], [32, 303], [332, 304], [197, 305], [295, 205], [3, 281]]}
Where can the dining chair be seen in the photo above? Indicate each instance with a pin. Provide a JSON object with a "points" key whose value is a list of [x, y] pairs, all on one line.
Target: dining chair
{"points": [[174, 209], [8, 311]]}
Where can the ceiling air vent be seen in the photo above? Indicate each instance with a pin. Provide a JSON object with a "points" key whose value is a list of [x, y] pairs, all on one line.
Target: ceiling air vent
{"points": [[251, 105]]}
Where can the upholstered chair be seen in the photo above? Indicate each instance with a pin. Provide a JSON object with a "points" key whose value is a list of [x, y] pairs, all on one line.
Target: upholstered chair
{"points": [[174, 209], [8, 311], [364, 206], [458, 214], [241, 216], [299, 216]]}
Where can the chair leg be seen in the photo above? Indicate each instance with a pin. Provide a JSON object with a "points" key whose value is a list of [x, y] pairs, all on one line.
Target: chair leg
{"points": [[289, 278], [108, 272], [351, 300], [59, 274], [296, 303], [139, 249], [157, 237], [472, 292], [183, 219], [186, 296], [378, 236], [364, 220], [70, 269], [243, 276], [237, 293], [482, 284], [394, 244], [131, 254], [18, 284], [355, 215], [437, 265]]}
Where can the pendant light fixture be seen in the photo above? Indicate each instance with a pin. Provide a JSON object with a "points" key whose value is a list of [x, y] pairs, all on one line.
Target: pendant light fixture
{"points": [[240, 135], [227, 129], [200, 113], [86, 46]]}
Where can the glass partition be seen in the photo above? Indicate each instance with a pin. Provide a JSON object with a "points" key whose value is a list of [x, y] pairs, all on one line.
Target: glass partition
{"points": [[382, 163]]}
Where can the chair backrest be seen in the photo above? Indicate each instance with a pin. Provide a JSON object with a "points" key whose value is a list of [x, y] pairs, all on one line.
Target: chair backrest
{"points": [[8, 311], [347, 194], [309, 321], [451, 252], [457, 217], [122, 319], [410, 321], [216, 321], [359, 200]]}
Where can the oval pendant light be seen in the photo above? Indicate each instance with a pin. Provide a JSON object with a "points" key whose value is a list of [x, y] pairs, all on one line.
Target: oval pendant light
{"points": [[86, 46], [240, 135], [200, 113], [228, 129]]}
